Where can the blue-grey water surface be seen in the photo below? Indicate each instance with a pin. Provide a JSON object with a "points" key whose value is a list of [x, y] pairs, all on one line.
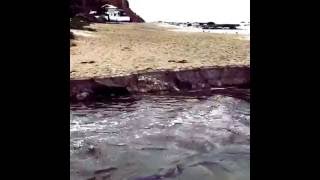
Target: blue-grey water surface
{"points": [[161, 137]]}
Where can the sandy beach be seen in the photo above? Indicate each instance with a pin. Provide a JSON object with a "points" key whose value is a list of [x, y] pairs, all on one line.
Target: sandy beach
{"points": [[122, 49]]}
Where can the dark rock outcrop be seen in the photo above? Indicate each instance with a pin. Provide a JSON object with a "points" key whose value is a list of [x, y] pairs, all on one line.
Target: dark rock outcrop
{"points": [[84, 6], [161, 81]]}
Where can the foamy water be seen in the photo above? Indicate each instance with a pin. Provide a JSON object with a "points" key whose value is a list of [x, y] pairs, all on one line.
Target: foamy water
{"points": [[243, 31], [145, 137]]}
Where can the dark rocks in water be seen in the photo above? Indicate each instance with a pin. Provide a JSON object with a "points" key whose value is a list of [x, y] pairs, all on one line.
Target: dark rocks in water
{"points": [[154, 148], [209, 165], [174, 172], [102, 177], [180, 168], [105, 170], [103, 174], [153, 177], [92, 149], [105, 177], [169, 173]]}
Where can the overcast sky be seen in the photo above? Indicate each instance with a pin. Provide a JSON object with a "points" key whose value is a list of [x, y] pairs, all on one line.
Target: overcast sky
{"points": [[219, 11]]}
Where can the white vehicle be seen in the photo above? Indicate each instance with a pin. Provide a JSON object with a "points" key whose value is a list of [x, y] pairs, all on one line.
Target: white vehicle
{"points": [[119, 18], [113, 13]]}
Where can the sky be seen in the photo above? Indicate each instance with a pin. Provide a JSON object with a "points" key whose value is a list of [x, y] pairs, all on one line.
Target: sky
{"points": [[218, 11]]}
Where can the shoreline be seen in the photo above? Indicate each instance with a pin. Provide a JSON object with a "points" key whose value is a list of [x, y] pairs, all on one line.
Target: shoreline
{"points": [[145, 58], [201, 79], [243, 32]]}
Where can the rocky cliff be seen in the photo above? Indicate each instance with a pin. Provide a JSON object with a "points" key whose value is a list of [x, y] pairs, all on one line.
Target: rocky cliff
{"points": [[83, 6]]}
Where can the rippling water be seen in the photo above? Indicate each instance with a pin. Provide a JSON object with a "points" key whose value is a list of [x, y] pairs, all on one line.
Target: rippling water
{"points": [[161, 137]]}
